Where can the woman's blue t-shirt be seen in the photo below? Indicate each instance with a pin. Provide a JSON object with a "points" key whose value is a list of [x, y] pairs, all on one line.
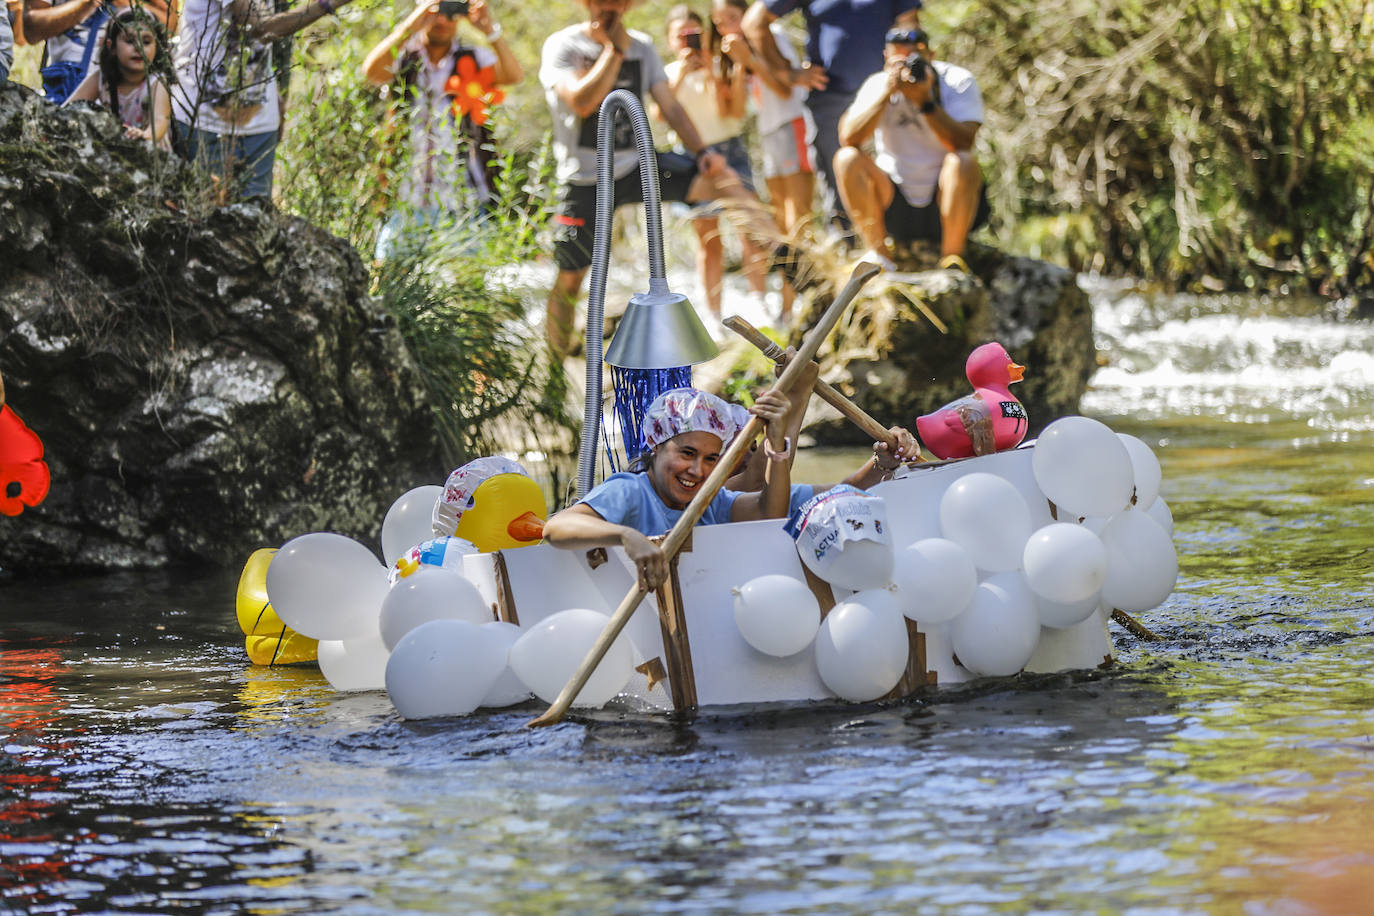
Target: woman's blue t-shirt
{"points": [[630, 499]]}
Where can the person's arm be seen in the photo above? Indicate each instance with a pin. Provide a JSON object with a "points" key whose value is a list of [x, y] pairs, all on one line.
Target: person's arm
{"points": [[755, 25], [165, 13], [162, 115], [584, 92], [754, 474], [955, 136], [42, 20], [860, 120], [773, 500], [580, 527], [732, 94], [508, 69], [884, 461], [379, 67], [87, 91], [281, 25], [16, 10]]}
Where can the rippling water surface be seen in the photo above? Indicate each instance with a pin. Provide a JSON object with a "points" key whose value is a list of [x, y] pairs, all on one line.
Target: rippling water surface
{"points": [[1224, 769]]}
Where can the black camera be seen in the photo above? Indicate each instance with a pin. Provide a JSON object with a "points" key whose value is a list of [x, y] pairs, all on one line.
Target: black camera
{"points": [[453, 8], [915, 68], [693, 40]]}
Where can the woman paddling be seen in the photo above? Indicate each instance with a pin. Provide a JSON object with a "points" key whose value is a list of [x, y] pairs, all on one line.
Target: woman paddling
{"points": [[685, 430]]}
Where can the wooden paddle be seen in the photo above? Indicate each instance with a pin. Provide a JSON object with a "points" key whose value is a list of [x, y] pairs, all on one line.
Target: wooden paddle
{"points": [[853, 412], [697, 507]]}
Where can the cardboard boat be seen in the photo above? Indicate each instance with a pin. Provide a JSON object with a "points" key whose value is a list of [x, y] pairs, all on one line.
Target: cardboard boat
{"points": [[691, 652]]}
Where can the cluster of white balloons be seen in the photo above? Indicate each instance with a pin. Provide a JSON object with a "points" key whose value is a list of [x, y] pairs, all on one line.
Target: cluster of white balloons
{"points": [[988, 575], [429, 639]]}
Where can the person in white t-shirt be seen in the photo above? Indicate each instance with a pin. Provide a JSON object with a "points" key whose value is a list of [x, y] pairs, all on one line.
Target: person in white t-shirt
{"points": [[924, 183], [452, 160], [226, 112]]}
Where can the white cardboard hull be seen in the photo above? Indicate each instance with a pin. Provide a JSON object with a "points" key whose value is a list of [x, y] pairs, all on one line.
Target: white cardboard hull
{"points": [[543, 580]]}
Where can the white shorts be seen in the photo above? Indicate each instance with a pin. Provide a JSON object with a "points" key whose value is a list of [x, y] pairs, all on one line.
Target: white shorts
{"points": [[785, 150]]}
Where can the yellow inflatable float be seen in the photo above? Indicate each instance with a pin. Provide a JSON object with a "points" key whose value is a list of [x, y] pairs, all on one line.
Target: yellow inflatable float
{"points": [[269, 641]]}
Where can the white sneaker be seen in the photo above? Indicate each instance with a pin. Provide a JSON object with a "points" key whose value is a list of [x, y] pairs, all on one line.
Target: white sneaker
{"points": [[882, 260]]}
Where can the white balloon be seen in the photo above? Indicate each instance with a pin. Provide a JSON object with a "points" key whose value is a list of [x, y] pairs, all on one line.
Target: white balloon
{"points": [[778, 615], [1061, 615], [856, 565], [508, 689], [1064, 563], [1142, 565], [862, 646], [986, 516], [1082, 467], [1145, 470], [996, 636], [429, 593], [1164, 516], [548, 653], [443, 668], [354, 664], [326, 586], [409, 521], [935, 579]]}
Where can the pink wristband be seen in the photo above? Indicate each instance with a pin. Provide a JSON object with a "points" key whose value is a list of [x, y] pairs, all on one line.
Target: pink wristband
{"points": [[778, 456]]}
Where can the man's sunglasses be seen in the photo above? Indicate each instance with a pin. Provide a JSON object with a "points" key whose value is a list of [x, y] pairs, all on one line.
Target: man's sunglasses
{"points": [[907, 37]]}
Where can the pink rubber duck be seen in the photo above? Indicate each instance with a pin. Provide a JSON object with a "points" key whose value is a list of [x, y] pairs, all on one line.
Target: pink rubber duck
{"points": [[989, 420]]}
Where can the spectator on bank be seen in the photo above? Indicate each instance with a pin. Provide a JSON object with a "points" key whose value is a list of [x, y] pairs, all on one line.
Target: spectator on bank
{"points": [[131, 77], [72, 30], [844, 45], [784, 126], [452, 158], [710, 86], [580, 66], [226, 109], [922, 115]]}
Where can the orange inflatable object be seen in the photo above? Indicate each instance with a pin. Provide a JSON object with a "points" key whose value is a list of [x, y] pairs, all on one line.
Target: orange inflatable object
{"points": [[24, 474]]}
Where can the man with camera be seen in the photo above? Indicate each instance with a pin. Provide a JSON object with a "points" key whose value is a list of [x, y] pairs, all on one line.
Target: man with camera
{"points": [[924, 182], [452, 159]]}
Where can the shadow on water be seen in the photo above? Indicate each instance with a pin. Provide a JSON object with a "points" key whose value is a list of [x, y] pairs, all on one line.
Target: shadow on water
{"points": [[147, 768]]}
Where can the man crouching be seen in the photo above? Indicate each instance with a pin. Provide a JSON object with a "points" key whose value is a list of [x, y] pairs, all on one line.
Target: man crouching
{"points": [[922, 115]]}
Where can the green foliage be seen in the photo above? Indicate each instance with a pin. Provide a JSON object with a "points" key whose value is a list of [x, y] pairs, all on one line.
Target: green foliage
{"points": [[1221, 138], [488, 377]]}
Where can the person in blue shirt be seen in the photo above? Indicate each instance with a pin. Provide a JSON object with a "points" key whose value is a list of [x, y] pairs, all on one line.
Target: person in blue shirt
{"points": [[685, 430]]}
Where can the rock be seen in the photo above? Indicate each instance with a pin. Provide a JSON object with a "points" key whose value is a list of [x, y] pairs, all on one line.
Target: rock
{"points": [[206, 380], [888, 355]]}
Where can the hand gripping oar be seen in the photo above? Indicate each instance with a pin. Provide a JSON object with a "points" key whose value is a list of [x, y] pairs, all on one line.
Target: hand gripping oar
{"points": [[697, 507], [823, 390]]}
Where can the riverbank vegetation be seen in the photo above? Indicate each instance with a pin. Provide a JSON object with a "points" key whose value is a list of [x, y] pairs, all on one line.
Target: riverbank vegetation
{"points": [[1219, 143]]}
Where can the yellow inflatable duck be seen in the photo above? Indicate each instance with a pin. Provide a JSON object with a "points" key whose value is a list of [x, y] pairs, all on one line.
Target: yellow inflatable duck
{"points": [[269, 641], [493, 503]]}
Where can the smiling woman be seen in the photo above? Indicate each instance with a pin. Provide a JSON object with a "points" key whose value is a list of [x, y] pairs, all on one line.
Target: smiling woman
{"points": [[685, 431]]}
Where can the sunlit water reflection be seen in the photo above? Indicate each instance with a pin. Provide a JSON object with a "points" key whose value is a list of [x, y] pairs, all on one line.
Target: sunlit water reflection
{"points": [[1226, 769]]}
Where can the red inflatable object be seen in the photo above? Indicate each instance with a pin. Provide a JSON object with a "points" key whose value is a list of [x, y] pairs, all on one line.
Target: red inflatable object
{"points": [[23, 472], [989, 420]]}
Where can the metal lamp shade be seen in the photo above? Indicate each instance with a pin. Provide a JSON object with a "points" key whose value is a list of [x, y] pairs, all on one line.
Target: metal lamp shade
{"points": [[659, 331]]}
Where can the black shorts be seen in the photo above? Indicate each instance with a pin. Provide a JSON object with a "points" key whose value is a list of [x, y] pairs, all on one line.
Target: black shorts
{"points": [[906, 223], [573, 223]]}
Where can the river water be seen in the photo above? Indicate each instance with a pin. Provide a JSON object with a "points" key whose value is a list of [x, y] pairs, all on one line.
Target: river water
{"points": [[1226, 768]]}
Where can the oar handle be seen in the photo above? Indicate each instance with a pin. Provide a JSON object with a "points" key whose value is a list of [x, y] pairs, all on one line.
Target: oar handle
{"points": [[824, 390], [697, 507]]}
